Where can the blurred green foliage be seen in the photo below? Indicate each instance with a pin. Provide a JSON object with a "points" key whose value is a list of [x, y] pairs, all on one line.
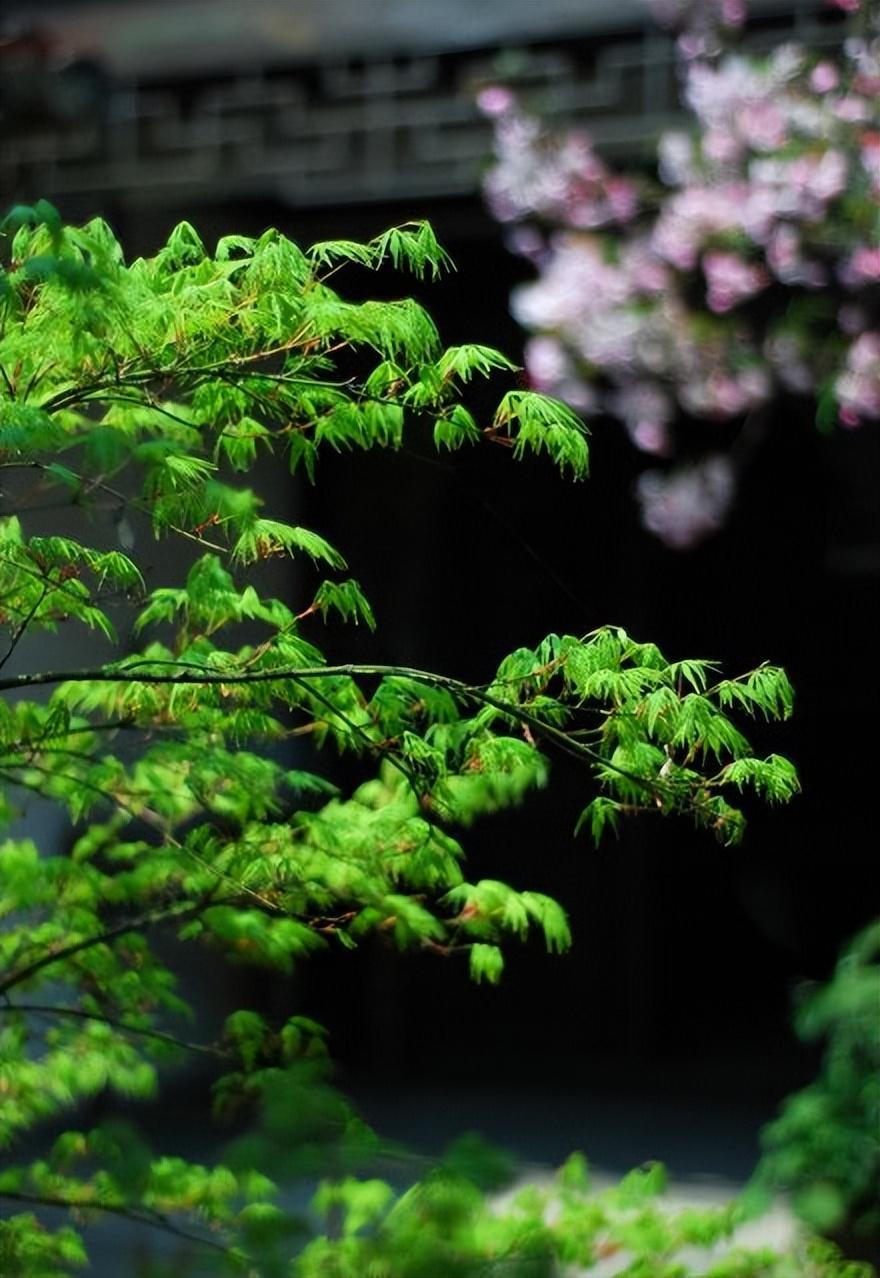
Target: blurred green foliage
{"points": [[825, 1145]]}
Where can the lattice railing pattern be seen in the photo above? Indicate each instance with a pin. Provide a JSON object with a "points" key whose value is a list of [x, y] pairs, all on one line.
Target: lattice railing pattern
{"points": [[378, 129]]}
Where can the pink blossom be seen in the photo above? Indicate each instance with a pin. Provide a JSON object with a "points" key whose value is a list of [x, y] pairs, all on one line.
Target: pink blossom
{"points": [[824, 77], [495, 101], [714, 93], [762, 125], [805, 184], [547, 363], [684, 506], [527, 241], [646, 411], [784, 253], [687, 218], [867, 82], [822, 177], [730, 280], [646, 272], [786, 261], [693, 44], [858, 386], [723, 393], [851, 108], [576, 282], [761, 207], [865, 56], [755, 201], [741, 104], [699, 22], [721, 146], [733, 12], [560, 179], [861, 267], [622, 199], [551, 370]]}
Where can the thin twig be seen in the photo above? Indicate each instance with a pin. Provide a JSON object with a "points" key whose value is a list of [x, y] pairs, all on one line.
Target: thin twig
{"points": [[177, 911], [18, 633], [146, 815], [138, 1215], [39, 1009], [96, 485]]}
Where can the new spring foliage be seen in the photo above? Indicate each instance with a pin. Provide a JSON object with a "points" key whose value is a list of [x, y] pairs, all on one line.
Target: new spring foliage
{"points": [[187, 758]]}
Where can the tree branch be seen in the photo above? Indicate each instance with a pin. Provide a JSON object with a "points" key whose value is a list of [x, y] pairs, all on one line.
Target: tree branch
{"points": [[97, 485], [129, 674], [653, 786], [18, 633], [178, 912], [138, 1215], [39, 1009]]}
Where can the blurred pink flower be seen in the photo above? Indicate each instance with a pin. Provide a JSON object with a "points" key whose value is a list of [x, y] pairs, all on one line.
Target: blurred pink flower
{"points": [[861, 267], [722, 393], [700, 22], [646, 411], [852, 108], [527, 241], [559, 179], [858, 386], [870, 155], [805, 184], [689, 217], [824, 77], [721, 146], [755, 207], [552, 371], [684, 506], [785, 258], [762, 125], [495, 100], [730, 280]]}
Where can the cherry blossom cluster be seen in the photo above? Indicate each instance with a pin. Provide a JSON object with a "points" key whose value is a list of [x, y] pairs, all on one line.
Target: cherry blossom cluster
{"points": [[750, 270]]}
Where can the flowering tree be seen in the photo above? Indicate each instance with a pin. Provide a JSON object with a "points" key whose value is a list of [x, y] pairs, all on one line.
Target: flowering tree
{"points": [[750, 271]]}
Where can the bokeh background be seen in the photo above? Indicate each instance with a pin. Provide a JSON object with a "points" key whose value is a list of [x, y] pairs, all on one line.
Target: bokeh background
{"points": [[666, 1031]]}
